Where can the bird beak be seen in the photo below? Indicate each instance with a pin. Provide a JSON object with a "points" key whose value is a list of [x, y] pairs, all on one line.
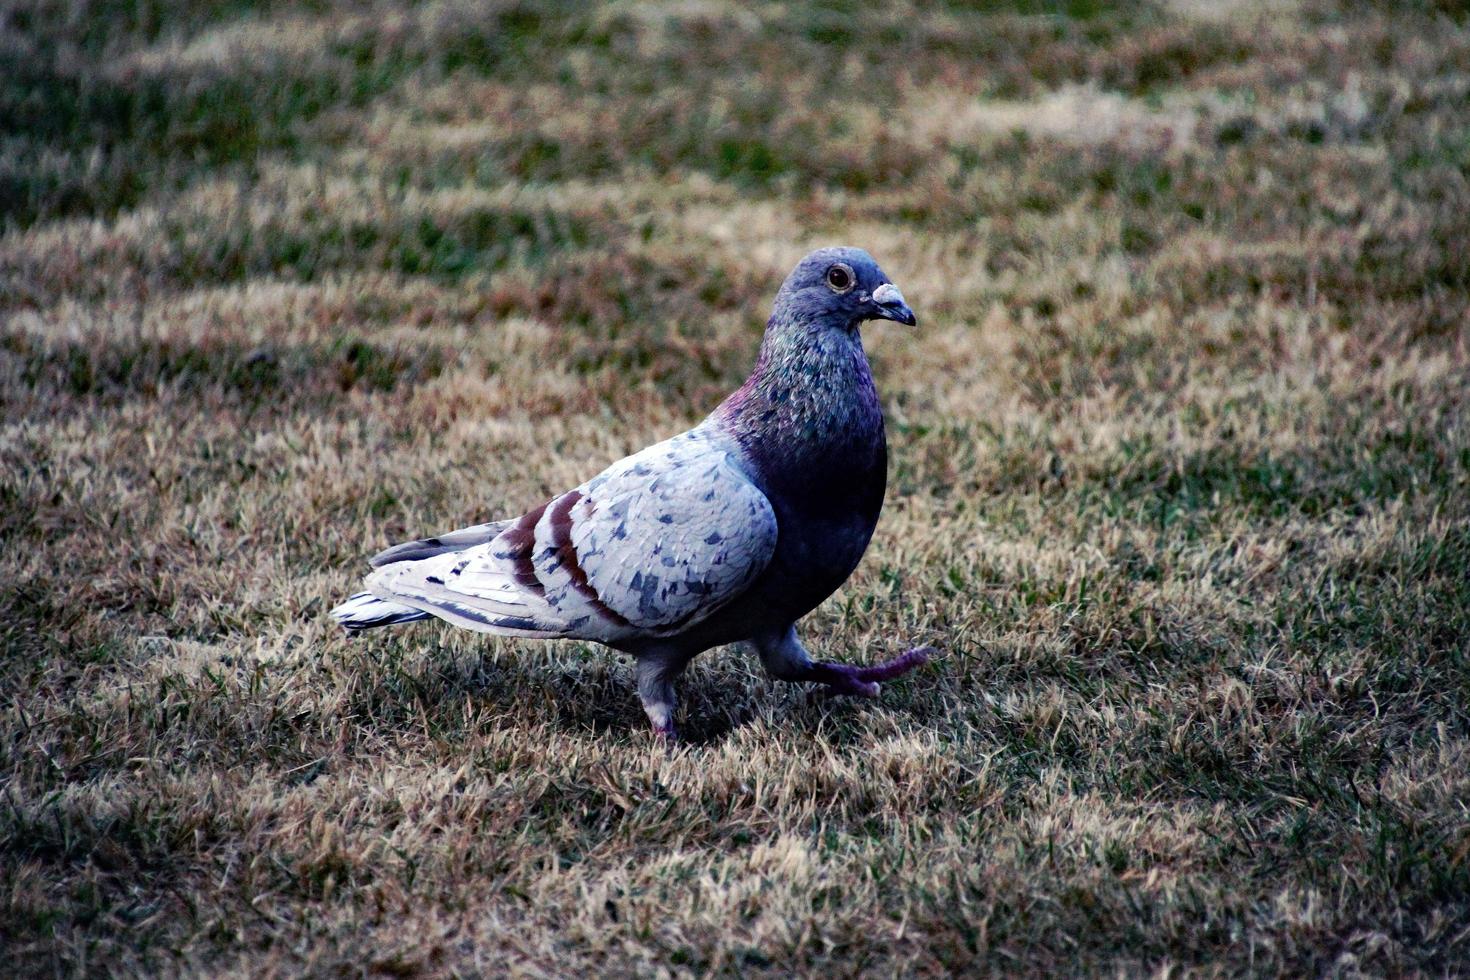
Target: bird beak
{"points": [[889, 305]]}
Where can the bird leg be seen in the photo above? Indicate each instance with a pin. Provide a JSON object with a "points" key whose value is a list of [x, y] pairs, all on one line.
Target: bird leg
{"points": [[786, 659], [656, 689]]}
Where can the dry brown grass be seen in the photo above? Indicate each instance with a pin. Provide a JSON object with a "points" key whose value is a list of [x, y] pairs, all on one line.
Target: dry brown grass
{"points": [[1180, 480]]}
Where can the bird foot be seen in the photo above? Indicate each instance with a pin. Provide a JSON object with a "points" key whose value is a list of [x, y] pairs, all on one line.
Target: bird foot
{"points": [[666, 735], [862, 682]]}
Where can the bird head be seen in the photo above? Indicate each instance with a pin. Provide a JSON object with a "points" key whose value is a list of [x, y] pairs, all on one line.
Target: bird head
{"points": [[841, 286]]}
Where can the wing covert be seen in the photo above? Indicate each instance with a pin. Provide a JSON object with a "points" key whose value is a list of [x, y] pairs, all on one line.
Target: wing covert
{"points": [[667, 541], [652, 545]]}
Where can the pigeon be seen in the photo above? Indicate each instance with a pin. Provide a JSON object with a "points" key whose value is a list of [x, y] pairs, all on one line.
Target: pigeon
{"points": [[729, 532]]}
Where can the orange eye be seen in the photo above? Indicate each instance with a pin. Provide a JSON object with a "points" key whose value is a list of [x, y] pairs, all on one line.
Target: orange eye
{"points": [[840, 278]]}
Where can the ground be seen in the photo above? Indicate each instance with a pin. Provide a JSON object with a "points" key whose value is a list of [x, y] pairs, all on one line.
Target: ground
{"points": [[1179, 473]]}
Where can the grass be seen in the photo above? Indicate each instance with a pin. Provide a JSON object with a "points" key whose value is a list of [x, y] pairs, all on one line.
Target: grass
{"points": [[1180, 485]]}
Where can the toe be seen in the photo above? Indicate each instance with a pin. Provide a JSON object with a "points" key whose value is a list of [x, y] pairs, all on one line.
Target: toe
{"points": [[858, 688], [899, 665]]}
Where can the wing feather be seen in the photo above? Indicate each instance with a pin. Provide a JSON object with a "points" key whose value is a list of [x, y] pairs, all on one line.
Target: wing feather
{"points": [[439, 544], [654, 544]]}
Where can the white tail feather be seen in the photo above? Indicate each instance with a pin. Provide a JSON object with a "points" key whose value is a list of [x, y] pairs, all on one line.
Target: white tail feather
{"points": [[365, 611]]}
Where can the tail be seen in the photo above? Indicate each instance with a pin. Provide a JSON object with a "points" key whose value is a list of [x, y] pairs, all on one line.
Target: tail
{"points": [[365, 611]]}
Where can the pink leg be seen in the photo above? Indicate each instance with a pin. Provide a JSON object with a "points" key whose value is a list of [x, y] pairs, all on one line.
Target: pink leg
{"points": [[863, 682], [786, 659], [656, 689]]}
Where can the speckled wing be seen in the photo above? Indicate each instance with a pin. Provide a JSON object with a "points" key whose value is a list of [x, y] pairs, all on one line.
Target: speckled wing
{"points": [[648, 548]]}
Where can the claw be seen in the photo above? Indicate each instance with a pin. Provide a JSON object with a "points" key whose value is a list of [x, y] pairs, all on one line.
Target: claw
{"points": [[848, 686]]}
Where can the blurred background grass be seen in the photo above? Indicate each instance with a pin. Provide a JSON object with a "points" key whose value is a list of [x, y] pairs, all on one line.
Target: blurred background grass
{"points": [[1179, 482]]}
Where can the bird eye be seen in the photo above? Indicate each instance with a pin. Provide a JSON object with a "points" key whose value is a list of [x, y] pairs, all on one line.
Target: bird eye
{"points": [[839, 278]]}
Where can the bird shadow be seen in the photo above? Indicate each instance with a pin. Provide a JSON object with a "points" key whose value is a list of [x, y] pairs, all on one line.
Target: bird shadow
{"points": [[581, 691]]}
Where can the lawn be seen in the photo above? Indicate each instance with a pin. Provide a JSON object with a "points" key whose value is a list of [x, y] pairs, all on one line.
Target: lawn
{"points": [[1179, 485]]}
